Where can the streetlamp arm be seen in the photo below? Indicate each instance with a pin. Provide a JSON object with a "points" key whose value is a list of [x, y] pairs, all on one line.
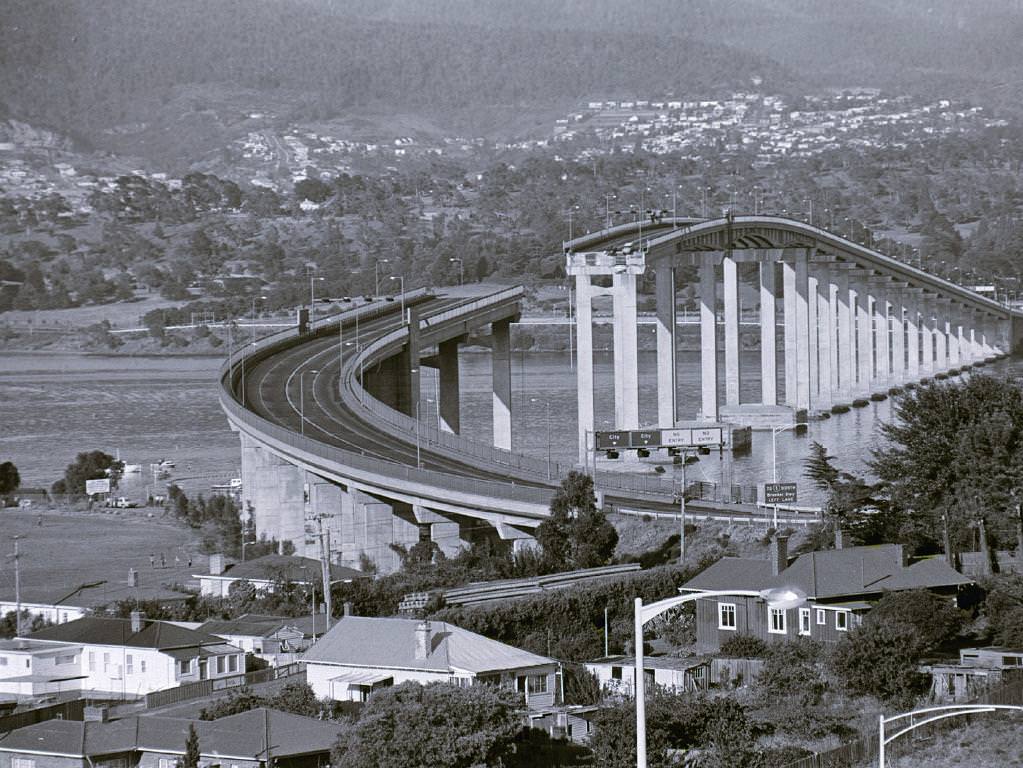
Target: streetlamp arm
{"points": [[654, 610]]}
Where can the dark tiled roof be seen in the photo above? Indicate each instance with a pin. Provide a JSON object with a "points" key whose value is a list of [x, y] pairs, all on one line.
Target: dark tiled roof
{"points": [[832, 573], [94, 630], [287, 568], [243, 735], [260, 625]]}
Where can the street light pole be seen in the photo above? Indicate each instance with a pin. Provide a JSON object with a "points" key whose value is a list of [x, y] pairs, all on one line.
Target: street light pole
{"points": [[461, 270], [312, 297], [779, 597], [402, 284], [376, 275], [262, 298]]}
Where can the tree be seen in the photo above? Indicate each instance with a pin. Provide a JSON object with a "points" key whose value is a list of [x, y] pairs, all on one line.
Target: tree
{"points": [[90, 465], [10, 480], [417, 726], [852, 504], [191, 757], [576, 534], [881, 660], [933, 619]]}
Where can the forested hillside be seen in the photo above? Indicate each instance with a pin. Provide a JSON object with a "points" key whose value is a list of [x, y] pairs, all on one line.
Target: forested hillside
{"points": [[85, 65]]}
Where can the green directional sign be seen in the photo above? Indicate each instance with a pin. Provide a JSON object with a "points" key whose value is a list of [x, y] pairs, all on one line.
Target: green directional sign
{"points": [[645, 438], [779, 493]]}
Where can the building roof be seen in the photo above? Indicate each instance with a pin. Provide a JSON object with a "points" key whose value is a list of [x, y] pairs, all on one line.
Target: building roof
{"points": [[260, 625], [94, 595], [301, 570], [832, 573], [653, 662], [391, 643], [242, 736], [95, 630]]}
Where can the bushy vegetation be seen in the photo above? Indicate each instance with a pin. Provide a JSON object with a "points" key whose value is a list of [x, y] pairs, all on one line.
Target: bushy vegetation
{"points": [[89, 465], [296, 698]]}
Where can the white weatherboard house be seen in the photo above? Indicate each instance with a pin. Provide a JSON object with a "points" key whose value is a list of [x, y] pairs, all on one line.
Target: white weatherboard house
{"points": [[359, 655], [126, 657]]}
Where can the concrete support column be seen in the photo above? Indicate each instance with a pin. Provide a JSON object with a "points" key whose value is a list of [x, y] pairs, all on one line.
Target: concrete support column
{"points": [[626, 355], [898, 322], [708, 343], [864, 341], [788, 272], [447, 374], [813, 334], [667, 371], [882, 356], [942, 330], [927, 334], [802, 331], [502, 383], [768, 331], [731, 285], [962, 347], [584, 362], [912, 334], [825, 339], [846, 338], [955, 330]]}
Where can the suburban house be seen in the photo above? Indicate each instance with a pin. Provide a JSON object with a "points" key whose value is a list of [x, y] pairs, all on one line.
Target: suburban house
{"points": [[276, 639], [264, 572], [840, 585], [125, 657], [62, 604], [977, 670], [359, 655], [238, 741], [617, 674]]}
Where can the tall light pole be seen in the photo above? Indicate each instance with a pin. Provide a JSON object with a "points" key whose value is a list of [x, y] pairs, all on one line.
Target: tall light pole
{"points": [[301, 395], [402, 279], [376, 275], [312, 296], [261, 298], [461, 269], [779, 597], [547, 404], [419, 460]]}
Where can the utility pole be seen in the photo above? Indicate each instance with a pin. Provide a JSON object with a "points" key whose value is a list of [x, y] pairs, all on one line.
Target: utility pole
{"points": [[682, 515], [325, 566], [17, 590]]}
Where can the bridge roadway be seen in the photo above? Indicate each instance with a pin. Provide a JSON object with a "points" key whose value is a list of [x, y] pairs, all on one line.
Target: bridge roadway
{"points": [[295, 388]]}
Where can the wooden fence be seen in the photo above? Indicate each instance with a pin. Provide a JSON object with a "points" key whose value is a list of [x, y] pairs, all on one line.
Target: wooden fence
{"points": [[202, 688], [65, 710], [858, 752]]}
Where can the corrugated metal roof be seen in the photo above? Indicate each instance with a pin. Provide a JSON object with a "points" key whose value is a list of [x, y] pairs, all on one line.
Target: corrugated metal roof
{"points": [[95, 630], [385, 643]]}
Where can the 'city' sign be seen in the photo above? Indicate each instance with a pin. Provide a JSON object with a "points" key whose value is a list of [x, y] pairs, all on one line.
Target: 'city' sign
{"points": [[605, 440]]}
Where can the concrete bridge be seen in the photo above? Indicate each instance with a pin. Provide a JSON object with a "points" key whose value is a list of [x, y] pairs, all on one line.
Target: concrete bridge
{"points": [[856, 323]]}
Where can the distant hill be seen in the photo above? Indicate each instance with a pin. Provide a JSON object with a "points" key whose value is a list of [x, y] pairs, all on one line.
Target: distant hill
{"points": [[152, 77]]}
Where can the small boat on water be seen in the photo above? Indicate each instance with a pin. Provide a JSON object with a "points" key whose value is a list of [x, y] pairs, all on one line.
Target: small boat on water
{"points": [[132, 469]]}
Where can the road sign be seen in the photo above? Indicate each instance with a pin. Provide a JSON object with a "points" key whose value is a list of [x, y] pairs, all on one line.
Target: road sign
{"points": [[648, 438], [707, 436], [97, 486], [779, 493], [676, 438], [610, 440]]}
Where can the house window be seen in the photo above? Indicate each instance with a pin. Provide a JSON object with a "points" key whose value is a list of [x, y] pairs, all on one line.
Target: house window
{"points": [[726, 615], [842, 621], [616, 673], [776, 621], [106, 661], [232, 663], [537, 683], [142, 666], [221, 664], [804, 621], [822, 617], [3, 661], [184, 666], [166, 762], [129, 664], [92, 661], [22, 762]]}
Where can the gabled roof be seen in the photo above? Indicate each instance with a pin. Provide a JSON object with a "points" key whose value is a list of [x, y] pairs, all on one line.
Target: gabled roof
{"points": [[832, 573], [390, 644], [243, 736], [301, 570], [260, 625], [95, 630]]}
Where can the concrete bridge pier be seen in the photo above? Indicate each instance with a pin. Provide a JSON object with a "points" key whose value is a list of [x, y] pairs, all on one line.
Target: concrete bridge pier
{"points": [[730, 275], [864, 339], [626, 350], [708, 343], [667, 346], [502, 383], [943, 330], [769, 329], [897, 296], [928, 335], [882, 354], [845, 297], [825, 328], [584, 362], [446, 531], [368, 528], [449, 404], [913, 331]]}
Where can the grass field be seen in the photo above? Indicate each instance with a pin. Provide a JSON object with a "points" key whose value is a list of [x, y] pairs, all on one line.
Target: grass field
{"points": [[71, 549], [989, 741]]}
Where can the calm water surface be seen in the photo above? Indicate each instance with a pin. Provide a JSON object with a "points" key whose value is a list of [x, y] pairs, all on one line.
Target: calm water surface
{"points": [[149, 408]]}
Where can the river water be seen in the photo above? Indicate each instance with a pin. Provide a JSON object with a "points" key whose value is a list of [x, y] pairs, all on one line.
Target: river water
{"points": [[148, 408]]}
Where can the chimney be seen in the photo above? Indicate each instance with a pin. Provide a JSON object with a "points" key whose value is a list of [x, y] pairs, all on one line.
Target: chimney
{"points": [[348, 609], [423, 640], [216, 564], [133, 577], [96, 714], [842, 538], [779, 554], [136, 622], [901, 556]]}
